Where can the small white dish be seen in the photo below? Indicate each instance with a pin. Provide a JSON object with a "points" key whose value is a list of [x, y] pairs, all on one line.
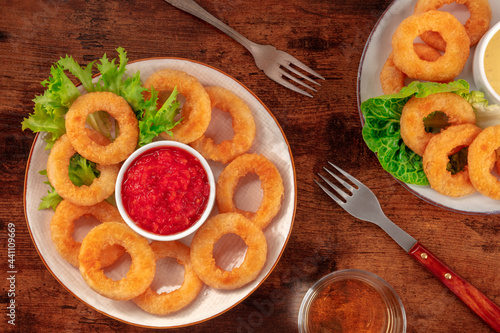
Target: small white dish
{"points": [[478, 71], [211, 303], [119, 182]]}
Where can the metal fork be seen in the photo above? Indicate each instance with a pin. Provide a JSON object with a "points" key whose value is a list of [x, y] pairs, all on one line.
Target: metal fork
{"points": [[360, 202], [276, 64]]}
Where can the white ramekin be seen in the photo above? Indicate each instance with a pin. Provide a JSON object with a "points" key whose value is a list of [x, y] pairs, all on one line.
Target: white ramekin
{"points": [[132, 158], [478, 72]]}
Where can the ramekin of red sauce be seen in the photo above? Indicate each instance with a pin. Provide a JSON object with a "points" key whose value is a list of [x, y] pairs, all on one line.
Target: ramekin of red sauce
{"points": [[165, 190]]}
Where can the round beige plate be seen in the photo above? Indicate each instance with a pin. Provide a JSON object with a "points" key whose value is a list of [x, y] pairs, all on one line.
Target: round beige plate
{"points": [[270, 141], [375, 54]]}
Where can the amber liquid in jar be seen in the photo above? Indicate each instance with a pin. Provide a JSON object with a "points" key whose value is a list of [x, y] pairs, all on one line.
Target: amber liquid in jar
{"points": [[491, 68], [348, 306]]}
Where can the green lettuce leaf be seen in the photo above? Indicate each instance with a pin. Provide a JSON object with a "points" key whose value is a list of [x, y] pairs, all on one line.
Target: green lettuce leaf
{"points": [[382, 134], [60, 92], [154, 121], [81, 172], [458, 161], [83, 74], [47, 120], [52, 199], [486, 114], [50, 107]]}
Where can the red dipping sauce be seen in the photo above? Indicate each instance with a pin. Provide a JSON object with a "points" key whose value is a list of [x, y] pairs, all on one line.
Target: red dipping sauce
{"points": [[165, 190]]}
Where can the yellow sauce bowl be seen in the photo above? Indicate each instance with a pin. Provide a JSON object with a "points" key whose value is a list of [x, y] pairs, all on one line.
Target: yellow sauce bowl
{"points": [[486, 75]]}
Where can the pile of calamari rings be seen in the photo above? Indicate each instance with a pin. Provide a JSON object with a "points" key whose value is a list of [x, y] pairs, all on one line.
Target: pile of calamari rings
{"points": [[440, 58], [105, 243], [461, 132], [446, 45]]}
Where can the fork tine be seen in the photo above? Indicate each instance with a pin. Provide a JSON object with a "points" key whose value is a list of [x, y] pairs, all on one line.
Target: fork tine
{"points": [[340, 180], [296, 62], [290, 86], [296, 72], [284, 73], [330, 194], [348, 176], [340, 192]]}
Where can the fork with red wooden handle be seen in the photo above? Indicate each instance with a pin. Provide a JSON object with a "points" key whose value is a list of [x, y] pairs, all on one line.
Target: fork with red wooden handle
{"points": [[361, 203]]}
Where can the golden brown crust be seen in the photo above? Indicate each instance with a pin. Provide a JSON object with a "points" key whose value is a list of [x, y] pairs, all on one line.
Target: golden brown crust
{"points": [[142, 269], [202, 247], [196, 111], [436, 158], [458, 110], [243, 126], [449, 65], [392, 78], [58, 174], [476, 26], [482, 157], [123, 145], [271, 183], [164, 303], [63, 224]]}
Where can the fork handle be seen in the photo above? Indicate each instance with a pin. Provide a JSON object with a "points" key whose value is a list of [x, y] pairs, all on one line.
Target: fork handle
{"points": [[193, 8], [475, 300]]}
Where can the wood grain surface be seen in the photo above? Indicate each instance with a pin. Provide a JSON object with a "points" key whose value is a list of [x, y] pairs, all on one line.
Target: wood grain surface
{"points": [[329, 36]]}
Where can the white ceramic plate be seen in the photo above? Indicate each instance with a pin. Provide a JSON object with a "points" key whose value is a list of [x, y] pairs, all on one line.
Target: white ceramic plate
{"points": [[374, 56], [270, 141]]}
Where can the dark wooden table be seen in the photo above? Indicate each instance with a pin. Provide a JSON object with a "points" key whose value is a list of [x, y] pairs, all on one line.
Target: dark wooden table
{"points": [[327, 35]]}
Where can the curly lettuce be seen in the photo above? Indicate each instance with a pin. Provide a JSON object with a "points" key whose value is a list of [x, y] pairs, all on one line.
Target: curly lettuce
{"points": [[60, 93], [486, 114], [382, 134], [155, 121]]}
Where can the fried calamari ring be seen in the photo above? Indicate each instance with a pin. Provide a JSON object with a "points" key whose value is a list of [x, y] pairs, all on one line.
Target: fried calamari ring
{"points": [[123, 145], [458, 110], [481, 158], [196, 111], [270, 181], [63, 224], [436, 158], [209, 233], [476, 26], [142, 269], [165, 303], [57, 172], [243, 126], [393, 79], [449, 65]]}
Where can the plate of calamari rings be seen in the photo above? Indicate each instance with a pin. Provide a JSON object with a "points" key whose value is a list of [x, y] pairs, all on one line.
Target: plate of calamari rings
{"points": [[421, 112], [77, 228]]}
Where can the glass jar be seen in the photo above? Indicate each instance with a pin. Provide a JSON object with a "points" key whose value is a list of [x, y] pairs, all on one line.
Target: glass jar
{"points": [[352, 300]]}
